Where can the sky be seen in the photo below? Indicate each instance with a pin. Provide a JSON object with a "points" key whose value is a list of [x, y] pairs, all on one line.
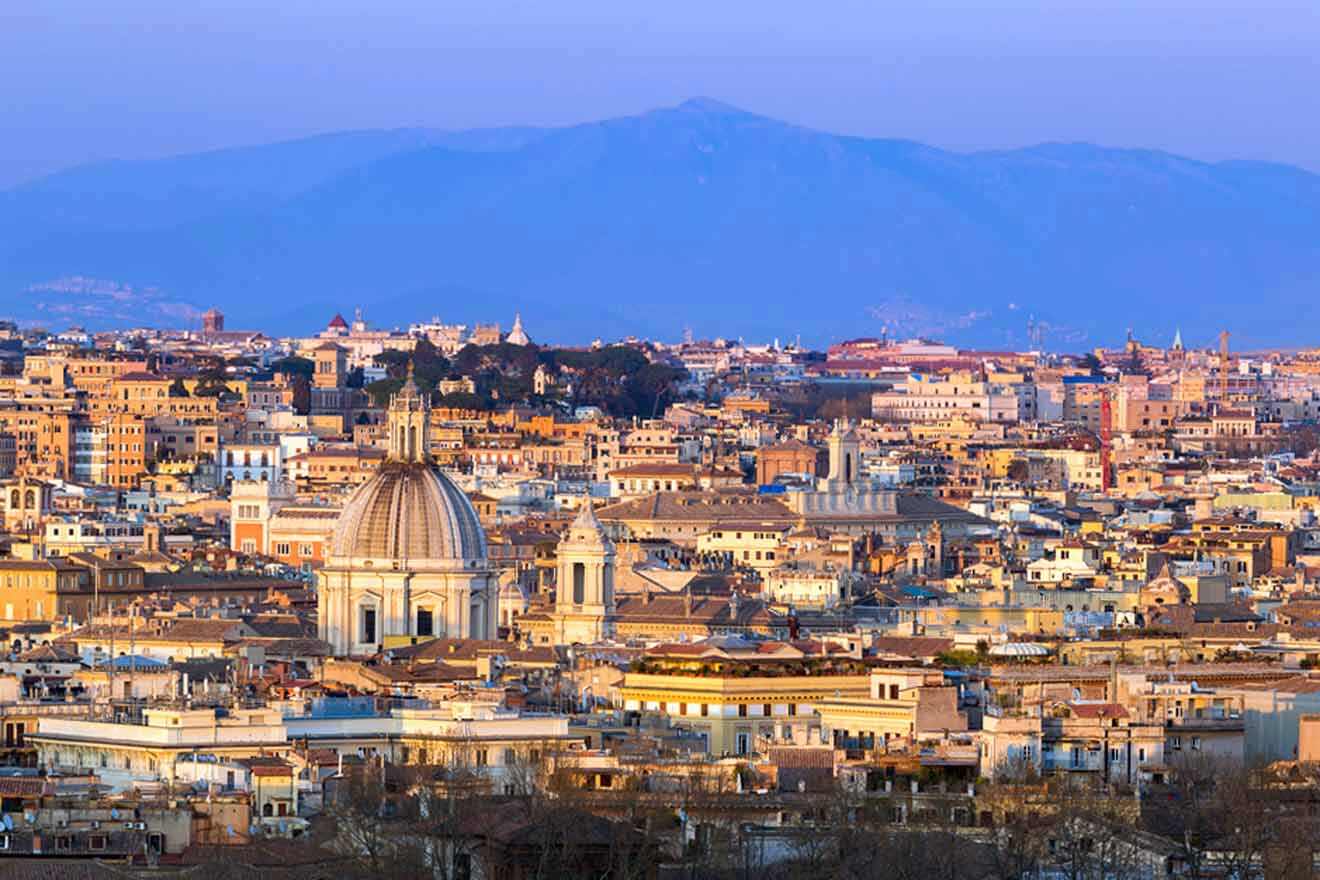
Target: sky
{"points": [[86, 80]]}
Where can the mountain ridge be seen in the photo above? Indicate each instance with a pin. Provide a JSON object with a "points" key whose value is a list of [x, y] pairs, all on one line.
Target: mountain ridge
{"points": [[701, 215]]}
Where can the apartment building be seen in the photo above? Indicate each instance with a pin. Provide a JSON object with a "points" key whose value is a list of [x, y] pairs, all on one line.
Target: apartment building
{"points": [[924, 398]]}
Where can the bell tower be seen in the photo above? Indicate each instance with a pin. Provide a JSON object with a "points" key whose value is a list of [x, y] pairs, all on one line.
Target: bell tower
{"points": [[845, 456], [584, 597]]}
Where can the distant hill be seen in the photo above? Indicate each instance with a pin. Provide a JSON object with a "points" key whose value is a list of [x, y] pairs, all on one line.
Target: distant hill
{"points": [[699, 215]]}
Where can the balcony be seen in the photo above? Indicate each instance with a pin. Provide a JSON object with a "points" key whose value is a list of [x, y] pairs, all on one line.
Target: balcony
{"points": [[1210, 721], [1072, 762]]}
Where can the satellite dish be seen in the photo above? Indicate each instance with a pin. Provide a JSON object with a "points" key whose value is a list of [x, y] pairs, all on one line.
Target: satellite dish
{"points": [[9, 822], [229, 829], [114, 813]]}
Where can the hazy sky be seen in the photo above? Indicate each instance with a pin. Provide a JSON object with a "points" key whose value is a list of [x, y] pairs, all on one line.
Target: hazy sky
{"points": [[91, 79]]}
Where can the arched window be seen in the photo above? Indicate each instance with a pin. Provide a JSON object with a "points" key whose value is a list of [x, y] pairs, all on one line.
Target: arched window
{"points": [[579, 583], [13, 499], [30, 499], [412, 443]]}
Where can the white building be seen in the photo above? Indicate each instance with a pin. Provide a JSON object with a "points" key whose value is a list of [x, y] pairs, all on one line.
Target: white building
{"points": [[251, 461], [807, 587], [408, 554], [924, 398]]}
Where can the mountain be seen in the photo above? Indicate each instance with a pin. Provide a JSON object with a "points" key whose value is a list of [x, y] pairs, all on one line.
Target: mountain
{"points": [[699, 215]]}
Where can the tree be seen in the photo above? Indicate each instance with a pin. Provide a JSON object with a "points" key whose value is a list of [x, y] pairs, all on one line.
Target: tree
{"points": [[212, 384], [982, 651], [1134, 365], [382, 390], [294, 366], [368, 828], [1089, 834], [957, 658], [395, 362], [1185, 811]]}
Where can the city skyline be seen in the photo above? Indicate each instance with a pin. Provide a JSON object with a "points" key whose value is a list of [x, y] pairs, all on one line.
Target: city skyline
{"points": [[507, 440]]}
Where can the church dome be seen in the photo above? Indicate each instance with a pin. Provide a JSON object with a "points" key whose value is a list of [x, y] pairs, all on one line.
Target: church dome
{"points": [[1165, 589], [409, 512]]}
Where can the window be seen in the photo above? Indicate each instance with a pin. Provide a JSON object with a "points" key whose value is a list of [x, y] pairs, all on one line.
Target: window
{"points": [[579, 583], [425, 622], [96, 843], [1196, 744], [282, 549], [368, 625], [482, 758], [742, 710]]}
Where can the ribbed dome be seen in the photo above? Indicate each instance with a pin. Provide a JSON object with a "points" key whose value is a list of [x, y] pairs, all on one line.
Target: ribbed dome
{"points": [[408, 511]]}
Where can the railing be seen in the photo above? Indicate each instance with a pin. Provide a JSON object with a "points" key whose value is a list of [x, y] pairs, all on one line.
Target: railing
{"points": [[1066, 761], [1209, 722]]}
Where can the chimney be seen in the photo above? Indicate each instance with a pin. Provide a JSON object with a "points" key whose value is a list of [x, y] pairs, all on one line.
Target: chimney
{"points": [[687, 600]]}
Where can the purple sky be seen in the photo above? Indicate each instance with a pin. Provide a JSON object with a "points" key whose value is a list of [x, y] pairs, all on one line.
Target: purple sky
{"points": [[89, 79]]}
